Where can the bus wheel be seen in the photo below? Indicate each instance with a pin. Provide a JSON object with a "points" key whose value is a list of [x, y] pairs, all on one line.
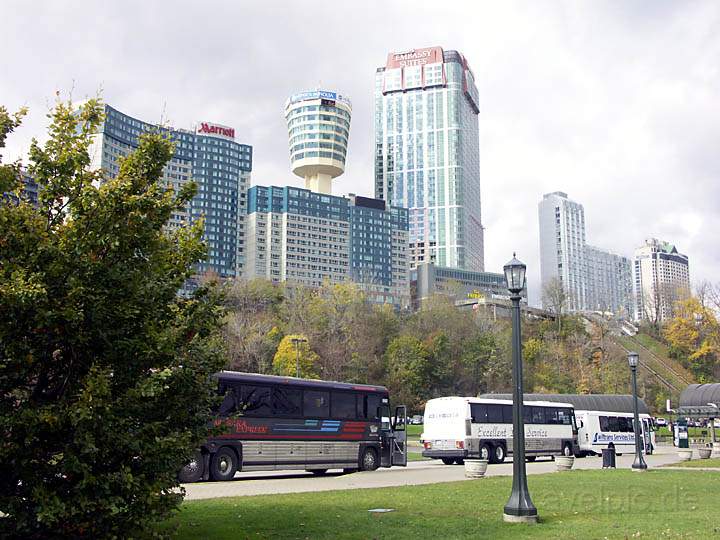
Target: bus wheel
{"points": [[459, 461], [485, 452], [369, 461], [448, 460], [223, 464], [499, 453], [193, 471], [567, 450]]}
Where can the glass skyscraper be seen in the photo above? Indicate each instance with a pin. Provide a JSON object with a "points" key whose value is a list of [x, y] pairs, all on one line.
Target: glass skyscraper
{"points": [[427, 154], [209, 155]]}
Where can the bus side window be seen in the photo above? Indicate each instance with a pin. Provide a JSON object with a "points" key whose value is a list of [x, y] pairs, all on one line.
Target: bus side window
{"points": [[552, 416], [343, 405], [495, 415], [229, 402], [478, 413], [373, 402], [527, 414], [316, 404], [538, 415], [604, 423], [287, 402], [255, 401], [507, 414], [614, 424]]}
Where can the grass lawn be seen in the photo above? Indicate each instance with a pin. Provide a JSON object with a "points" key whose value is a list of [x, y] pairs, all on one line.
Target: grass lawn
{"points": [[577, 504], [414, 431], [713, 462]]}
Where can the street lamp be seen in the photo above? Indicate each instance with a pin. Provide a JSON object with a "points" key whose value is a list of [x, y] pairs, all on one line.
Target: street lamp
{"points": [[519, 508], [297, 341], [639, 463]]}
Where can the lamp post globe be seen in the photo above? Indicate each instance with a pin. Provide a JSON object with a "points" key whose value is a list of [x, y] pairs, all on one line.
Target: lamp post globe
{"points": [[519, 508], [639, 463]]}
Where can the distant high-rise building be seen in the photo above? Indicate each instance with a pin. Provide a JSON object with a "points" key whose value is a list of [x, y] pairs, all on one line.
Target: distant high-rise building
{"points": [[592, 278], [562, 247], [662, 277], [208, 155], [298, 236], [318, 124], [609, 282], [427, 154]]}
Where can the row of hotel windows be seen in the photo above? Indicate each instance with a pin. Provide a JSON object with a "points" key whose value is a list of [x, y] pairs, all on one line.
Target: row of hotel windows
{"points": [[313, 119], [319, 127], [328, 155], [324, 136], [315, 108]]}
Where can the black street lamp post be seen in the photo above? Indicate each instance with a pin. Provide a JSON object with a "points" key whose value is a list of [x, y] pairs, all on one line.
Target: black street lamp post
{"points": [[519, 508], [639, 463], [297, 342]]}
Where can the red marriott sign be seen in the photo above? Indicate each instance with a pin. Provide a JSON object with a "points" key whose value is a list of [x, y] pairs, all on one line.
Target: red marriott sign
{"points": [[207, 128]]}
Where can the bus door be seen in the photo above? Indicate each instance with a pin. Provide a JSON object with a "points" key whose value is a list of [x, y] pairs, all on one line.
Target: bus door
{"points": [[399, 438]]}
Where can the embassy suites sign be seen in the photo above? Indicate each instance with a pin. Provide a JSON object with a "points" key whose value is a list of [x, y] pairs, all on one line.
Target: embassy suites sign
{"points": [[415, 57], [206, 128]]}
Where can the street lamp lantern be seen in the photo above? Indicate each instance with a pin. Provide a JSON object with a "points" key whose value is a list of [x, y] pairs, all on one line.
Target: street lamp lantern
{"points": [[515, 275], [633, 359], [639, 463], [519, 508]]}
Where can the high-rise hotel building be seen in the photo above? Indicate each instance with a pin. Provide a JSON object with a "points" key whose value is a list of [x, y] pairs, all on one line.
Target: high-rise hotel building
{"points": [[593, 279], [311, 237], [427, 154], [318, 124], [208, 155], [662, 276]]}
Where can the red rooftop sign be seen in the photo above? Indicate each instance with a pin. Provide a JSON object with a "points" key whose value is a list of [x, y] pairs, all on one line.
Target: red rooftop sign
{"points": [[207, 128]]}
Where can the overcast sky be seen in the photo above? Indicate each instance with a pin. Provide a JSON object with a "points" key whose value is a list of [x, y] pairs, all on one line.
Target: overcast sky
{"points": [[615, 103]]}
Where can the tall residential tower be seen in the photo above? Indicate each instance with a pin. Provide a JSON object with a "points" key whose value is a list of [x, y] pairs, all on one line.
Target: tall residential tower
{"points": [[427, 153]]}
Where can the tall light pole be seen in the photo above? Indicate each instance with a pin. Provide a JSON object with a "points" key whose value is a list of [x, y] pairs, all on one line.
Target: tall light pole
{"points": [[297, 341], [639, 463], [519, 508]]}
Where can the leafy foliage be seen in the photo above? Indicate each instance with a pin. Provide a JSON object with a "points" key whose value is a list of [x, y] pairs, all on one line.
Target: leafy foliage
{"points": [[104, 372], [292, 353]]}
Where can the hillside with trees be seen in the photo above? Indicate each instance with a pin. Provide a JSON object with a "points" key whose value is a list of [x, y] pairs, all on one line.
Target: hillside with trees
{"points": [[436, 351]]}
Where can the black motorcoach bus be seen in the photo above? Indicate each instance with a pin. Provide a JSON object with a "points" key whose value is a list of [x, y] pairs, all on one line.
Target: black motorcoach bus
{"points": [[280, 423]]}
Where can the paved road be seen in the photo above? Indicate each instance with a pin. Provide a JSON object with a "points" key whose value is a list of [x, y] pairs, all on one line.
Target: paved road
{"points": [[418, 472]]}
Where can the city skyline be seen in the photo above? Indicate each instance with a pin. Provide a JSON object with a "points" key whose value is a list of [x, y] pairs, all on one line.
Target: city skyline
{"points": [[615, 136]]}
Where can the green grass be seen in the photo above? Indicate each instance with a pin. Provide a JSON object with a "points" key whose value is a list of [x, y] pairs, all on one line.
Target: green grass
{"points": [[712, 462], [417, 456], [572, 505], [414, 431]]}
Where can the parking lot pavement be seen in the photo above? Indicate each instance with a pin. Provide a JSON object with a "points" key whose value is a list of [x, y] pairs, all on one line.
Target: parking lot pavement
{"points": [[418, 472]]}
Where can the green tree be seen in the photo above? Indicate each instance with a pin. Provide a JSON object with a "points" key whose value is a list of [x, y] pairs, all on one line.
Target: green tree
{"points": [[290, 354], [105, 384]]}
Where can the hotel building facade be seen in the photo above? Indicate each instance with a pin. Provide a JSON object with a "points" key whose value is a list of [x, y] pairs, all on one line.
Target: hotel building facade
{"points": [[427, 154], [662, 277], [209, 155], [303, 237], [593, 279]]}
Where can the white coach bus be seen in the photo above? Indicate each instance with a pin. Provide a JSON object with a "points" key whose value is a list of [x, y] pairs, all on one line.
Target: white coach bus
{"points": [[466, 427], [603, 421], [608, 429]]}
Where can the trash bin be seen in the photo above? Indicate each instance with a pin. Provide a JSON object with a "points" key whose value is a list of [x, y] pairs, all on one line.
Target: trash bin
{"points": [[608, 455]]}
